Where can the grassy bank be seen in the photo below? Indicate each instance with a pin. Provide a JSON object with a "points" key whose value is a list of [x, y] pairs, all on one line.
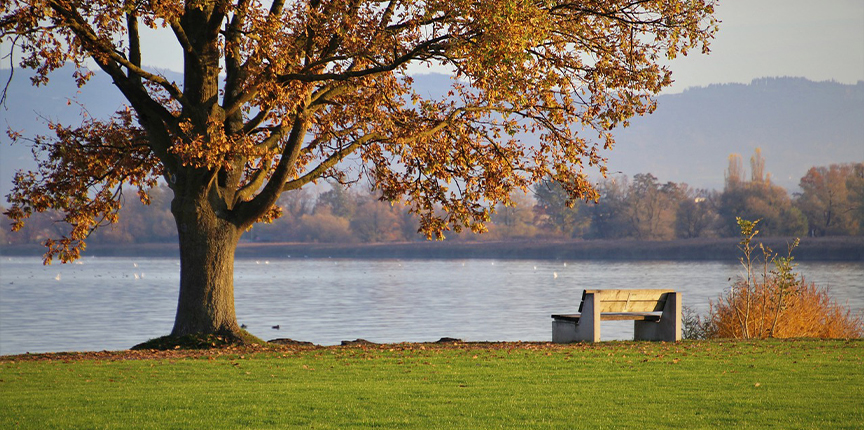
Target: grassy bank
{"points": [[712, 384], [811, 249]]}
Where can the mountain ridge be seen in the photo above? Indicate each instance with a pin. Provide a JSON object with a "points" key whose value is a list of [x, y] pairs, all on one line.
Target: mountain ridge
{"points": [[796, 122]]}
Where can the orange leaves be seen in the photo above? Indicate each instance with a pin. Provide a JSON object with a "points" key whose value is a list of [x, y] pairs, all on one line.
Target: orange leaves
{"points": [[274, 213], [82, 176]]}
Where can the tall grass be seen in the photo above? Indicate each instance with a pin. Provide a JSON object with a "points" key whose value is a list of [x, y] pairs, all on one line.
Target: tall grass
{"points": [[770, 300]]}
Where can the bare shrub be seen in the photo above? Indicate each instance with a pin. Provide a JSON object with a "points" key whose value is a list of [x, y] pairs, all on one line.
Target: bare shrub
{"points": [[694, 326], [808, 311], [776, 302]]}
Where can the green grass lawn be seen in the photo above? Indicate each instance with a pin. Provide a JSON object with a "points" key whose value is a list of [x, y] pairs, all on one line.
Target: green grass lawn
{"points": [[712, 384]]}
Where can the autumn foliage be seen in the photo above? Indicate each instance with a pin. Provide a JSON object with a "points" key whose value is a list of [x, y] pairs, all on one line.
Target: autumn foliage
{"points": [[775, 302], [809, 311]]}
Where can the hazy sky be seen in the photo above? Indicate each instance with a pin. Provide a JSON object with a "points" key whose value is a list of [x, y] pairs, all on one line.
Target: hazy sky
{"points": [[819, 40]]}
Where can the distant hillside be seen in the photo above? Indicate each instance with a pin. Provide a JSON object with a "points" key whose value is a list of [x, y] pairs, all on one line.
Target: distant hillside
{"points": [[797, 123]]}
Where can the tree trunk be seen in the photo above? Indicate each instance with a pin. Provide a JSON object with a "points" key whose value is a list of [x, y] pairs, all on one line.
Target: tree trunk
{"points": [[207, 245]]}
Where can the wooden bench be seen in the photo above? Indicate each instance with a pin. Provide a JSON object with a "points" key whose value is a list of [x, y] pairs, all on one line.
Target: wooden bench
{"points": [[657, 315]]}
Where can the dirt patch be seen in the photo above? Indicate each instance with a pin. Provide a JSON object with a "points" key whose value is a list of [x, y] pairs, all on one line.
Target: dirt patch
{"points": [[283, 345]]}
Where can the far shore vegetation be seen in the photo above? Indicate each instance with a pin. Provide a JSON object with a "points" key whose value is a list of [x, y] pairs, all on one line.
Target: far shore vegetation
{"points": [[637, 209]]}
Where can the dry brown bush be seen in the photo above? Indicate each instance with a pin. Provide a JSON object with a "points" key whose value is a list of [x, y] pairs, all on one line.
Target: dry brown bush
{"points": [[776, 302], [808, 311]]}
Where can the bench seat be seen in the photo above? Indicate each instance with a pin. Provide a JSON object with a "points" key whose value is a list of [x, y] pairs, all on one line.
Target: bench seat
{"points": [[615, 316]]}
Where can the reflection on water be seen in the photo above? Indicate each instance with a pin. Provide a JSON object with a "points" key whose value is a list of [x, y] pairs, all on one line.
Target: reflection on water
{"points": [[114, 303]]}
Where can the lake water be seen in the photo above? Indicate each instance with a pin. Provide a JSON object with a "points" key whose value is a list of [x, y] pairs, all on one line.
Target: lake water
{"points": [[114, 303]]}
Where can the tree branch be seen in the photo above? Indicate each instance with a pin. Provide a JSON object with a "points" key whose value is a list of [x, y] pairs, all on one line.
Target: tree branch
{"points": [[254, 182], [100, 48], [134, 45], [276, 8], [414, 54], [183, 39], [234, 73], [247, 213], [331, 161]]}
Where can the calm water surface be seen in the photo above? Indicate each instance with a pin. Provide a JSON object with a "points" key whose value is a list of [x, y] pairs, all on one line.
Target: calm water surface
{"points": [[114, 303]]}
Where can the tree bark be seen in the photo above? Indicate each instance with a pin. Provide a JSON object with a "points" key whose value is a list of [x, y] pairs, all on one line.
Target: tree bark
{"points": [[207, 245]]}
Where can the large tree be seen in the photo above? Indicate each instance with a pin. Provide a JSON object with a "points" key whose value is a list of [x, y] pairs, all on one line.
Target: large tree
{"points": [[757, 199], [650, 207], [826, 201], [556, 211], [278, 94]]}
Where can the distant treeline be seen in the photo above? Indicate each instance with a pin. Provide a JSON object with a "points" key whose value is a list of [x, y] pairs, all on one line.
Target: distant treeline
{"points": [[831, 203]]}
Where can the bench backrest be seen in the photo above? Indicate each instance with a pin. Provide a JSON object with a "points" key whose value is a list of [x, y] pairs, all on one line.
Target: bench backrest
{"points": [[628, 300]]}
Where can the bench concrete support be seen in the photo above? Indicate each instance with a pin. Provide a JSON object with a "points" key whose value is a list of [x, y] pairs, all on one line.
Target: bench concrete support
{"points": [[668, 328], [586, 330], [564, 331]]}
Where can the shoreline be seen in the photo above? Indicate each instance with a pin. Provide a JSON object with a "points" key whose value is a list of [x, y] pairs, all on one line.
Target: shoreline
{"points": [[839, 249], [275, 346]]}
